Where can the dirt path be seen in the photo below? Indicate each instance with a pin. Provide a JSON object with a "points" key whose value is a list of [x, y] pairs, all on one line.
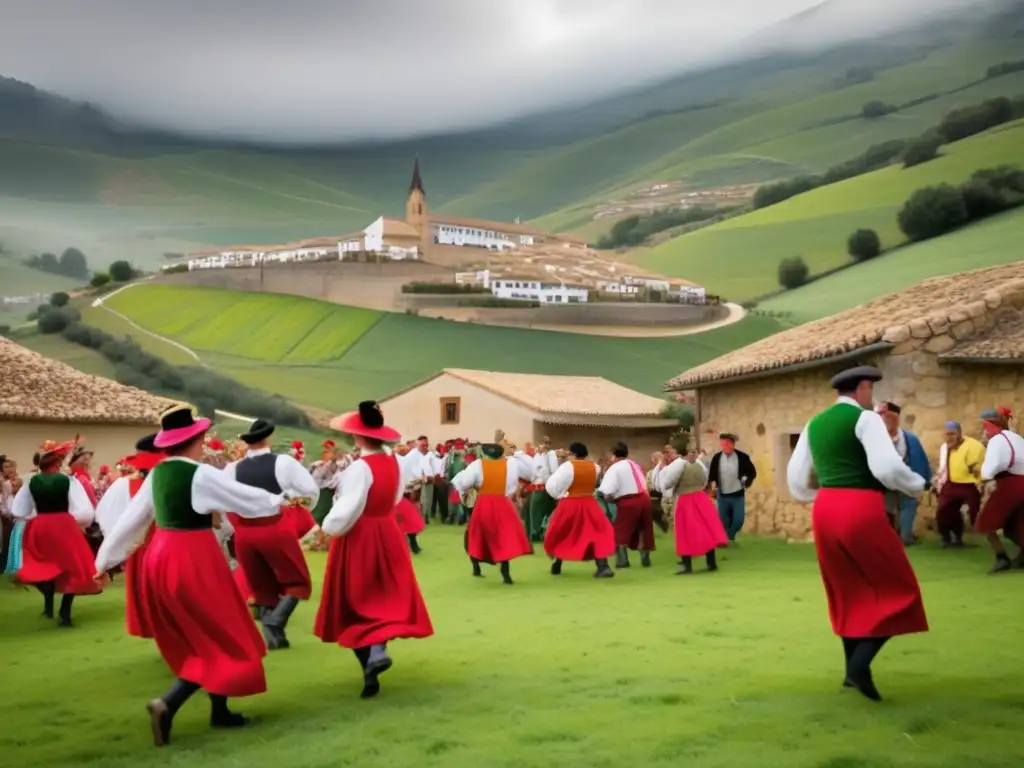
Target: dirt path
{"points": [[99, 304]]}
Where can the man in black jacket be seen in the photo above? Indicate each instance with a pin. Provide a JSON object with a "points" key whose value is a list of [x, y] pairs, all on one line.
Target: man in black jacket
{"points": [[732, 472]]}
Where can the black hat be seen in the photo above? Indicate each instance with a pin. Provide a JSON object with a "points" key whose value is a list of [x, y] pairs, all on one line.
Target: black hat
{"points": [[848, 380], [145, 444], [728, 436], [258, 432], [492, 450]]}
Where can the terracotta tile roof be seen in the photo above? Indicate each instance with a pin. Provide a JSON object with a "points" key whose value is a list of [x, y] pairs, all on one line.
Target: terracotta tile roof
{"points": [[1003, 343], [399, 228], [496, 226], [37, 388], [940, 301]]}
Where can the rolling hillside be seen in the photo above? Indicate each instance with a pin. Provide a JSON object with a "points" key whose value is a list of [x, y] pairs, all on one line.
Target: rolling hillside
{"points": [[739, 258]]}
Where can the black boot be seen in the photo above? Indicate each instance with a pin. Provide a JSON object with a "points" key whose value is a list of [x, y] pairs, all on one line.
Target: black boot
{"points": [[414, 545], [1002, 563], [65, 610], [603, 570], [46, 589], [685, 566], [849, 646], [506, 574], [712, 560], [860, 666], [221, 716], [161, 711], [645, 558], [269, 635], [621, 557], [277, 619], [476, 567], [556, 567]]}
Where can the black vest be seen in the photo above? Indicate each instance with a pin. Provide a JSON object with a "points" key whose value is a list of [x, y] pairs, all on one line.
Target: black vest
{"points": [[258, 471]]}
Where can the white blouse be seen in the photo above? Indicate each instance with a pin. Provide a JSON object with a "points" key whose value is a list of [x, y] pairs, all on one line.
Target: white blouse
{"points": [[350, 501], [79, 506]]}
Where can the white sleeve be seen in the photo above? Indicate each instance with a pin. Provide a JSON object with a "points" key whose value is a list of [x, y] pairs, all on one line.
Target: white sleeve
{"points": [[943, 457], [24, 506], [610, 485], [350, 500], [229, 470], [521, 466], [129, 529], [470, 477], [558, 484], [552, 462], [113, 503], [668, 477], [883, 460], [997, 458], [79, 504], [295, 479], [801, 470], [213, 491]]}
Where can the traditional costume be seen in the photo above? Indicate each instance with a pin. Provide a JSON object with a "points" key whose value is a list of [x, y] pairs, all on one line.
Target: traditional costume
{"points": [[112, 505], [454, 462], [325, 473], [579, 529], [199, 620], [872, 592], [957, 484], [1003, 468], [410, 521], [625, 485], [267, 548], [370, 593], [539, 503], [54, 552], [698, 526], [495, 534]]}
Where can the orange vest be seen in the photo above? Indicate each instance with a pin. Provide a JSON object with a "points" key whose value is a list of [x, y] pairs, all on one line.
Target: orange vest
{"points": [[584, 478], [493, 471]]}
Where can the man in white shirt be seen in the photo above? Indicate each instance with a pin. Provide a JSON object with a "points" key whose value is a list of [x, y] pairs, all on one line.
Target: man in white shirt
{"points": [[540, 505], [1003, 473], [625, 484], [421, 456]]}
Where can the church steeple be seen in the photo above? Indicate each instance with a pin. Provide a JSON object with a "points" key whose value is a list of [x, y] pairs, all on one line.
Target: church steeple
{"points": [[417, 182]]}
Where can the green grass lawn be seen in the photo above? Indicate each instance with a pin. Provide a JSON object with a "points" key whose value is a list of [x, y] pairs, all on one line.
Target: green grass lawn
{"points": [[57, 347], [739, 258], [991, 242], [228, 429], [735, 669]]}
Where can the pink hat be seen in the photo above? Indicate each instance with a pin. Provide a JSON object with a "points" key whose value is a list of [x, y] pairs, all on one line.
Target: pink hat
{"points": [[178, 425], [368, 421]]}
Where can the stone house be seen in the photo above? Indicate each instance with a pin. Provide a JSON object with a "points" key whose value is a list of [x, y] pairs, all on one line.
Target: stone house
{"points": [[456, 402], [42, 399], [949, 347]]}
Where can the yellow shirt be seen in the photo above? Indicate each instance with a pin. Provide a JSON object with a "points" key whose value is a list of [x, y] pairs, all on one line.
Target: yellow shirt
{"points": [[965, 461]]}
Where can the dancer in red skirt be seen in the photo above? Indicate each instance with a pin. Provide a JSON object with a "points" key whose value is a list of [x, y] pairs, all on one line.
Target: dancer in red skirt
{"points": [[872, 592], [407, 512], [199, 621], [112, 504], [698, 526], [55, 552], [1003, 472], [625, 484], [495, 533], [267, 548], [370, 594], [579, 529]]}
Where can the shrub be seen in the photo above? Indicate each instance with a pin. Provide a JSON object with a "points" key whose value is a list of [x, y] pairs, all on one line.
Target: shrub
{"points": [[967, 121], [5, 330], [931, 212], [99, 280], [175, 268], [922, 149], [864, 244], [1004, 68], [56, 319], [121, 272], [635, 230], [793, 272], [442, 288], [876, 109], [73, 264], [771, 194], [60, 299]]}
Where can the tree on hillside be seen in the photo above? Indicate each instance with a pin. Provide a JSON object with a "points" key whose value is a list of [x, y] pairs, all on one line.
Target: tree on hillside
{"points": [[99, 280], [121, 272], [60, 299], [73, 264], [876, 109], [48, 263], [864, 244], [931, 212], [793, 272], [922, 149], [5, 330]]}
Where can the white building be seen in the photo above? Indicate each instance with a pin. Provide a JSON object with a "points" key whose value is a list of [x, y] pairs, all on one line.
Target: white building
{"points": [[396, 239], [525, 288], [478, 234]]}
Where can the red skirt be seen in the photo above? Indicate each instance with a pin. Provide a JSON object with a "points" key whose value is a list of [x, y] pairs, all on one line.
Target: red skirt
{"points": [[301, 519], [634, 525], [370, 592], [870, 586], [200, 621], [698, 527], [1004, 509], [269, 553], [579, 530], [55, 549], [409, 518], [238, 576], [495, 533], [134, 608]]}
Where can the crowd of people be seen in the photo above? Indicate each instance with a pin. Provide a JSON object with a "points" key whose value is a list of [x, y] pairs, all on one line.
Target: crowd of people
{"points": [[209, 536]]}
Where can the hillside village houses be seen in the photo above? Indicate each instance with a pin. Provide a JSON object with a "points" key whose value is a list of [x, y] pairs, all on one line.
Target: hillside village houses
{"points": [[948, 347]]}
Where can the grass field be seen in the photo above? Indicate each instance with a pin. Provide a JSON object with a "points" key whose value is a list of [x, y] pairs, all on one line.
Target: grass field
{"points": [[739, 257], [281, 442], [735, 669], [992, 242], [18, 280]]}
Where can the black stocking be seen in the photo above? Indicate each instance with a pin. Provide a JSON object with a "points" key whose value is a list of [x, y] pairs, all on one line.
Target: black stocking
{"points": [[65, 608], [179, 693], [864, 653], [363, 655], [46, 589]]}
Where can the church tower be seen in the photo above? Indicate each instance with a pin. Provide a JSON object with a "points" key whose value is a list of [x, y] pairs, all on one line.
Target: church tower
{"points": [[416, 207]]}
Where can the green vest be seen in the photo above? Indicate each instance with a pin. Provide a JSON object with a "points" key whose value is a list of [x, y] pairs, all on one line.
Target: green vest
{"points": [[50, 492], [839, 457], [456, 463], [172, 497]]}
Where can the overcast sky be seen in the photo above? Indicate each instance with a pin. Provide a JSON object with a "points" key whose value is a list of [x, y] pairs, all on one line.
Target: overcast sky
{"points": [[313, 70]]}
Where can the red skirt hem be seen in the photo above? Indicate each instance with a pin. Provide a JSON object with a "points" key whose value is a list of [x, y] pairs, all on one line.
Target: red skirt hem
{"points": [[495, 532], [409, 517], [579, 530], [698, 528], [55, 549]]}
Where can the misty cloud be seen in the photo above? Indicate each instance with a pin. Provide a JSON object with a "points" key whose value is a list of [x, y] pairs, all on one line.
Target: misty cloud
{"points": [[316, 70]]}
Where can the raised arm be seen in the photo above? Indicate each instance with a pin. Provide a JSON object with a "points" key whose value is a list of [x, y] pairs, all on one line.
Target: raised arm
{"points": [[214, 491], [883, 460], [129, 529], [668, 477], [558, 484], [114, 502], [354, 485], [470, 477], [79, 504], [800, 472]]}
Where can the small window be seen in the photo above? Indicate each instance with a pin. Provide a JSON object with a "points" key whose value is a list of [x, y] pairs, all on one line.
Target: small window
{"points": [[450, 407]]}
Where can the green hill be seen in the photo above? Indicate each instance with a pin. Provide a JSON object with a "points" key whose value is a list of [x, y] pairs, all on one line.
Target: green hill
{"points": [[739, 258]]}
